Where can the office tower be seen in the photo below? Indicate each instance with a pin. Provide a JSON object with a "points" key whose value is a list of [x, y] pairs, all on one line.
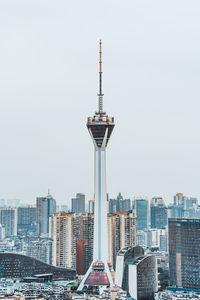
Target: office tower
{"points": [[179, 199], [46, 207], [142, 212], [119, 204], [100, 128], [26, 221], [82, 258], [122, 228], [78, 204], [158, 212], [190, 202], [184, 252], [40, 249], [91, 206], [136, 273], [164, 241], [8, 218]]}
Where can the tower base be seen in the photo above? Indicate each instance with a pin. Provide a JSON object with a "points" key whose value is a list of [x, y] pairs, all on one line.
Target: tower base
{"points": [[97, 278]]}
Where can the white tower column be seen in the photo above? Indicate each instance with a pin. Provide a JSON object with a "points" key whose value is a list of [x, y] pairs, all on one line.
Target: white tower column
{"points": [[100, 127]]}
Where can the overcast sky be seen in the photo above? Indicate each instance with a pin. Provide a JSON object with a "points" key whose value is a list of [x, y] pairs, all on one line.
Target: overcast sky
{"points": [[49, 84]]}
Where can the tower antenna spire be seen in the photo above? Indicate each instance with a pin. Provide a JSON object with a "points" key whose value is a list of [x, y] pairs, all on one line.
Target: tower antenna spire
{"points": [[100, 95]]}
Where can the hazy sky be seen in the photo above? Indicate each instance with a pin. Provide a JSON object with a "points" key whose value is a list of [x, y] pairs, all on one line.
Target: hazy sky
{"points": [[48, 88]]}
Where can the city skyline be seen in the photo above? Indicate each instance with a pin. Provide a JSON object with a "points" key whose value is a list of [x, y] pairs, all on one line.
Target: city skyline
{"points": [[47, 72]]}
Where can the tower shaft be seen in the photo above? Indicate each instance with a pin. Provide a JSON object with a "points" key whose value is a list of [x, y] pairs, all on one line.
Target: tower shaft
{"points": [[100, 127], [100, 250]]}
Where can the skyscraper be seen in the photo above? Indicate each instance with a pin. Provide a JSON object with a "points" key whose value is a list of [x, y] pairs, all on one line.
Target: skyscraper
{"points": [[100, 127], [91, 206], [184, 207], [26, 219], [142, 213], [158, 212], [78, 204], [8, 218], [46, 206], [184, 252], [119, 204]]}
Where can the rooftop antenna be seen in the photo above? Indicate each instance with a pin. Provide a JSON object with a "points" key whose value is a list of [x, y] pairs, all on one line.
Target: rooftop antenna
{"points": [[100, 95]]}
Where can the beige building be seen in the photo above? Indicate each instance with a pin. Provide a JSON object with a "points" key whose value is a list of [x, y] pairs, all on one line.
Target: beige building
{"points": [[122, 228], [65, 229], [62, 231]]}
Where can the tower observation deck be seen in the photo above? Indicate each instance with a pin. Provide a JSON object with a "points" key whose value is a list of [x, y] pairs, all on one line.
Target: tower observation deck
{"points": [[100, 127]]}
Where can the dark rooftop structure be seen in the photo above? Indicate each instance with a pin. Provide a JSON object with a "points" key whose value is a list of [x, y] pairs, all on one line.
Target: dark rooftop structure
{"points": [[14, 265]]}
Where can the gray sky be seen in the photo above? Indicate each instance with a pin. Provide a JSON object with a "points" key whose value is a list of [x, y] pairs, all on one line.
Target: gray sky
{"points": [[48, 87]]}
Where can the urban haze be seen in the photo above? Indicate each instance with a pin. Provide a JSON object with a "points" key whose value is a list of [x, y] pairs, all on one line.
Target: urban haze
{"points": [[49, 85]]}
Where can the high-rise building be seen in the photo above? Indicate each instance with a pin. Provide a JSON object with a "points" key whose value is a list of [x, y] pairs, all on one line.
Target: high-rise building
{"points": [[184, 207], [82, 258], [91, 206], [176, 211], [122, 228], [141, 238], [136, 273], [184, 252], [40, 249], [86, 225], [26, 219], [119, 204], [65, 230], [100, 128], [142, 213], [153, 238], [46, 207], [179, 199], [158, 212], [2, 232], [190, 202], [69, 229], [78, 204], [164, 241], [8, 218]]}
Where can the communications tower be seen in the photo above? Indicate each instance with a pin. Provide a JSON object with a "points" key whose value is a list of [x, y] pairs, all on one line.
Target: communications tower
{"points": [[100, 127]]}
